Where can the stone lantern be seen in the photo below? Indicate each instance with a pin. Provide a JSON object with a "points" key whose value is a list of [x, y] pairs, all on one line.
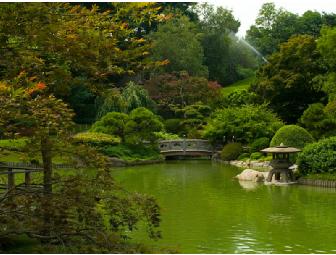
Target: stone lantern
{"points": [[280, 162]]}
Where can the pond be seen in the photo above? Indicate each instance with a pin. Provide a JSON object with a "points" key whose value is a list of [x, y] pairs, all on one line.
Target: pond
{"points": [[205, 210]]}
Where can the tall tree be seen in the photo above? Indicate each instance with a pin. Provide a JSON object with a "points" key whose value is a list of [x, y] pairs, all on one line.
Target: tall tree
{"points": [[274, 26], [287, 80], [225, 56], [177, 42]]}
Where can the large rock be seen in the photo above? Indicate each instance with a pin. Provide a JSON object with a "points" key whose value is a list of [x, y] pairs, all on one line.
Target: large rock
{"points": [[251, 175]]}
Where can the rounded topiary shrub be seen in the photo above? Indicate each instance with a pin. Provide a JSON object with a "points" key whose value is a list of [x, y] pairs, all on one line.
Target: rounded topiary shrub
{"points": [[319, 157], [259, 144], [293, 136], [231, 151]]}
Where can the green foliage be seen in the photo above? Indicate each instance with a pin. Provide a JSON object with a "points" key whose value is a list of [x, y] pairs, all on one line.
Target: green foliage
{"points": [[256, 155], [231, 151], [326, 45], [239, 85], [136, 96], [113, 123], [287, 80], [81, 209], [69, 45], [318, 157], [239, 98], [166, 136], [112, 102], [226, 57], [319, 120], [245, 124], [244, 156], [274, 26], [13, 144], [176, 42], [141, 125], [173, 126], [94, 138], [132, 152], [293, 136], [194, 119], [259, 144], [181, 89]]}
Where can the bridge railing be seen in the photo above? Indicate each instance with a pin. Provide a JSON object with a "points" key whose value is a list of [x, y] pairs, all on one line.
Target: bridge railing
{"points": [[185, 145]]}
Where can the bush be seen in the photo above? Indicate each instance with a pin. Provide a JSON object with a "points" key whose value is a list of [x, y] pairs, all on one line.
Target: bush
{"points": [[292, 135], [256, 155], [173, 125], [259, 144], [166, 136], [231, 151], [245, 124], [94, 138], [113, 123], [318, 157], [132, 152], [141, 126], [244, 156]]}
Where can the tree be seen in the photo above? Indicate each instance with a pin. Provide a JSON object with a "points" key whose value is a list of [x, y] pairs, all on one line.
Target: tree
{"points": [[287, 81], [225, 55], [179, 89], [81, 212], [141, 126], [326, 46], [318, 121], [113, 123], [242, 124], [177, 43], [136, 96], [69, 46], [274, 26]]}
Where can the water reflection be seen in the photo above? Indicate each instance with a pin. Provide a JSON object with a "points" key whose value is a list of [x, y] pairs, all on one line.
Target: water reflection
{"points": [[205, 210]]}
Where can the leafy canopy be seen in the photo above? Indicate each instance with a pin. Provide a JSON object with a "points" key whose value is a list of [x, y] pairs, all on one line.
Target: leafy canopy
{"points": [[243, 124]]}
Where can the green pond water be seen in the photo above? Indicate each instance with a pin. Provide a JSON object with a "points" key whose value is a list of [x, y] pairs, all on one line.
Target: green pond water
{"points": [[205, 210]]}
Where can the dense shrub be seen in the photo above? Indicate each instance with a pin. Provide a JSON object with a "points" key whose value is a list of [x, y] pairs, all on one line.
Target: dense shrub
{"points": [[95, 138], [292, 135], [318, 157], [245, 124], [132, 152], [113, 123], [141, 125], [256, 155], [244, 156], [166, 136], [231, 151], [173, 126], [259, 144]]}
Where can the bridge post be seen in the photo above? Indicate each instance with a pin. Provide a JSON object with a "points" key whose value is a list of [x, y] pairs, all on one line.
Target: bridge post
{"points": [[184, 145]]}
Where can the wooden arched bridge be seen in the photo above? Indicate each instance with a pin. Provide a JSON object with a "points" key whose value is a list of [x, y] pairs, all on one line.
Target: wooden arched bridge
{"points": [[185, 147]]}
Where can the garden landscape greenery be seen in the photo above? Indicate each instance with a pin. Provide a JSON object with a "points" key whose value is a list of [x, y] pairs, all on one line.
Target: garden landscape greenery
{"points": [[85, 84]]}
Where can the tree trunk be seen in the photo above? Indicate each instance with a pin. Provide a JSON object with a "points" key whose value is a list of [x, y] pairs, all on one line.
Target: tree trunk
{"points": [[46, 148]]}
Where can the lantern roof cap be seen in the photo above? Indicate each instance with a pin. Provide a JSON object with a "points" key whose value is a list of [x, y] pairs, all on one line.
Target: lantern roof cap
{"points": [[281, 149]]}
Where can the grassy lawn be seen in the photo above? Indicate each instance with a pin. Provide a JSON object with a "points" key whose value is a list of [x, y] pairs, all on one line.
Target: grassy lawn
{"points": [[239, 85]]}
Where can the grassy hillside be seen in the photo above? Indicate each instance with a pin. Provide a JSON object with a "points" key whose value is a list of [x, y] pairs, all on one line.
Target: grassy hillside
{"points": [[239, 85]]}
